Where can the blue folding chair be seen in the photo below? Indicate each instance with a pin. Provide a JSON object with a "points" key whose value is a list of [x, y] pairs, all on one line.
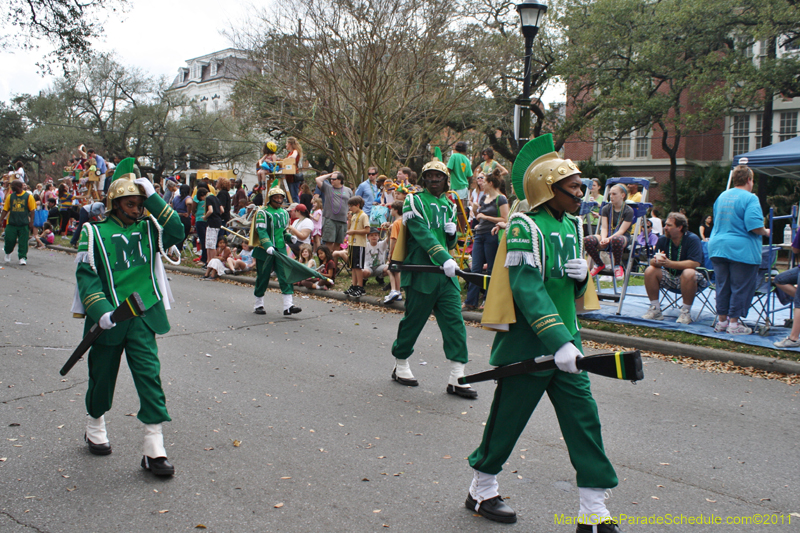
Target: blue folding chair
{"points": [[634, 262]]}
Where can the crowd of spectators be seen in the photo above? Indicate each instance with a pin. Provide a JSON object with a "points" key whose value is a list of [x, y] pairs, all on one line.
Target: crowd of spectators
{"points": [[332, 225]]}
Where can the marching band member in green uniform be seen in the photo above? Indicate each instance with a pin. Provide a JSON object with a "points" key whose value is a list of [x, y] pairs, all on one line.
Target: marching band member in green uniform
{"points": [[544, 273], [117, 257], [18, 206], [430, 231], [267, 238]]}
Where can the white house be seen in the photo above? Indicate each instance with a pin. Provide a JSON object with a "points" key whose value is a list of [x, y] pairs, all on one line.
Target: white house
{"points": [[208, 80]]}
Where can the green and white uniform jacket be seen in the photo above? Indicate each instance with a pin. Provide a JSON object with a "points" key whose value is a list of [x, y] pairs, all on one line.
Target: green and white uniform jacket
{"points": [[115, 261], [424, 216], [538, 247], [270, 225]]}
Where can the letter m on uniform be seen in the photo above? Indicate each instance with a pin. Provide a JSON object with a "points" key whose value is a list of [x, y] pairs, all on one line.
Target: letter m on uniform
{"points": [[563, 251], [128, 251]]}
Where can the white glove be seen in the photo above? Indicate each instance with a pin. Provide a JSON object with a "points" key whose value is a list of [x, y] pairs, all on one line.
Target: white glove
{"points": [[566, 356], [450, 268], [149, 190], [450, 228], [294, 239], [577, 269], [105, 321], [270, 250]]}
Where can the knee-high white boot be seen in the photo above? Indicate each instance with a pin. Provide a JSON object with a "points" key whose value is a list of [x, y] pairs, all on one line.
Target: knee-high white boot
{"points": [[593, 506], [287, 301], [483, 487], [153, 441], [96, 429]]}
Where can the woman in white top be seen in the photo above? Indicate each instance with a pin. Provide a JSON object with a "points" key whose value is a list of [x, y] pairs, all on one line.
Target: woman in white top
{"points": [[301, 228], [476, 196]]}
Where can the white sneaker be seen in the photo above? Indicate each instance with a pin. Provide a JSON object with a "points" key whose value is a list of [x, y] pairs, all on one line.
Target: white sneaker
{"points": [[654, 313], [720, 327], [738, 329], [392, 296], [23, 262], [685, 318], [8, 258]]}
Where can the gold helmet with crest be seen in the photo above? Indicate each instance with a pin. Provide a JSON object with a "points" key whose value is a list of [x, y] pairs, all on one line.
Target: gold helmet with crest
{"points": [[537, 168], [275, 190], [122, 182], [435, 164]]}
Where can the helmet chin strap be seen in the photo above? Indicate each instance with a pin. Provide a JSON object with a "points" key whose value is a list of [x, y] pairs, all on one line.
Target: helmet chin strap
{"points": [[576, 198]]}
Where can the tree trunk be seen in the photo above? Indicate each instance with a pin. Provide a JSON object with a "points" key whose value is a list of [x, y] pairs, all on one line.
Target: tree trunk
{"points": [[672, 151], [766, 125]]}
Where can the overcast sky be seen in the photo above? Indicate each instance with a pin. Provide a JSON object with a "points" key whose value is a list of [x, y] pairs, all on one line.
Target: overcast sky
{"points": [[157, 36]]}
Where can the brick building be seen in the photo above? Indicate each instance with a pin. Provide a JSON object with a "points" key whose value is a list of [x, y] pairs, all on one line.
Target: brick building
{"points": [[640, 154]]}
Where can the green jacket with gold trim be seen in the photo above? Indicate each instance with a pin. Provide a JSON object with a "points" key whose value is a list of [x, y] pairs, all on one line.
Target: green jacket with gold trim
{"points": [[124, 257], [270, 227], [538, 247], [425, 215]]}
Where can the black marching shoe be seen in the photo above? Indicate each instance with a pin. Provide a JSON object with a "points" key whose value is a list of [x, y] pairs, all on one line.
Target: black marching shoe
{"points": [[608, 526], [260, 311], [465, 392], [293, 310], [159, 466], [404, 381], [98, 449], [493, 509]]}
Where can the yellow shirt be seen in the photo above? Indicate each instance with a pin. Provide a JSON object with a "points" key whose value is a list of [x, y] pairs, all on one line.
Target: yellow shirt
{"points": [[7, 202], [359, 221], [635, 198]]}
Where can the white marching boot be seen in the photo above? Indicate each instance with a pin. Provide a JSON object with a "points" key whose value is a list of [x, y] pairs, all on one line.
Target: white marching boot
{"points": [[402, 373]]}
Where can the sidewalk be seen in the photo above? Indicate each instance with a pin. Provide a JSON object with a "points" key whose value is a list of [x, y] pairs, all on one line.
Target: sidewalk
{"points": [[768, 364]]}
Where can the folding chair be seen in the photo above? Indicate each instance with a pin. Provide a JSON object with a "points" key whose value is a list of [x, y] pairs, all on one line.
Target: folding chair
{"points": [[671, 297], [708, 297], [792, 218], [763, 300], [640, 214]]}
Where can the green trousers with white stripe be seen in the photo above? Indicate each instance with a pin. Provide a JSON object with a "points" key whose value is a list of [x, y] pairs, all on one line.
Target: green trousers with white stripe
{"points": [[515, 399], [141, 353]]}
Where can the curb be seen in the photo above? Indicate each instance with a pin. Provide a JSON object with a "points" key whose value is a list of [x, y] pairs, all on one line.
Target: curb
{"points": [[760, 362]]}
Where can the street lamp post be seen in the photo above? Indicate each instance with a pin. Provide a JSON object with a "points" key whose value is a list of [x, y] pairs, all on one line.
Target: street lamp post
{"points": [[530, 14]]}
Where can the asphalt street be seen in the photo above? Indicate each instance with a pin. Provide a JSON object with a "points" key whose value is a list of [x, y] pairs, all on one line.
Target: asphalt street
{"points": [[293, 425]]}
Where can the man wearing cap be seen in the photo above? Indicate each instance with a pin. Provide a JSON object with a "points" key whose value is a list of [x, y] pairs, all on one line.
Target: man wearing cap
{"points": [[429, 219], [544, 273], [117, 257], [93, 211], [267, 237]]}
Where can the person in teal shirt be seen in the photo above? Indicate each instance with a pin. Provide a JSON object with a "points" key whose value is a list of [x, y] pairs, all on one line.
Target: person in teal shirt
{"points": [[735, 250]]}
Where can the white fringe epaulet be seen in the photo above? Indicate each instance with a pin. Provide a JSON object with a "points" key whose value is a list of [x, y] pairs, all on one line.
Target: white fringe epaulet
{"points": [[414, 212], [534, 257], [160, 235], [87, 256]]}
